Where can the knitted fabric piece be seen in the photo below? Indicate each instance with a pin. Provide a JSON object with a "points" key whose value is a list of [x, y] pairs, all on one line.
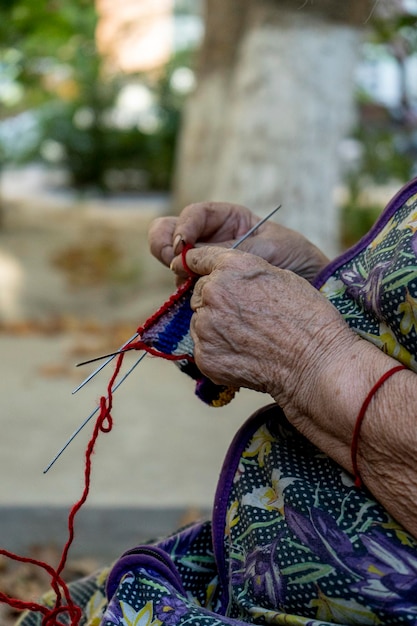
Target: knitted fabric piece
{"points": [[166, 334]]}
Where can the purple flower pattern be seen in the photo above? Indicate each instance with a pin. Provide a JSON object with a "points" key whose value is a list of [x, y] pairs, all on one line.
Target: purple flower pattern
{"points": [[380, 286], [262, 572], [333, 551], [170, 610], [366, 290], [389, 572]]}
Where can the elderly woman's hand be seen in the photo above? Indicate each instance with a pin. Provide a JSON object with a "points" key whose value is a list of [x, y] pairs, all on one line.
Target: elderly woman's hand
{"points": [[222, 224], [261, 327], [267, 329]]}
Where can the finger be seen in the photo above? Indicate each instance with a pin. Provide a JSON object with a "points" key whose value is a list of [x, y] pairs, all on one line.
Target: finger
{"points": [[177, 264], [204, 260], [160, 239], [197, 300], [211, 221]]}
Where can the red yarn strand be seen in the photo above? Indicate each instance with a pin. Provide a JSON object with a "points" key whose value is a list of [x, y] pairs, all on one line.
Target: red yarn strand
{"points": [[141, 345], [103, 424], [360, 418], [165, 307], [184, 251]]}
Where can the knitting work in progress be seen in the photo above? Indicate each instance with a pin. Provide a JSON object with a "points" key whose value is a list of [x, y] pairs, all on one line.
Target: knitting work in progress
{"points": [[166, 334]]}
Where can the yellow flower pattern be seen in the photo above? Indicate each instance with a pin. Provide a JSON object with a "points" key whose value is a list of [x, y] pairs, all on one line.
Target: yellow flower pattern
{"points": [[410, 221], [340, 611], [95, 608], [260, 446], [232, 517], [408, 309], [388, 343], [144, 617], [270, 497], [379, 239], [278, 618]]}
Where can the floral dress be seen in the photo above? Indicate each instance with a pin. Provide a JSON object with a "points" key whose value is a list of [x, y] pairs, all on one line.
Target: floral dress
{"points": [[291, 540]]}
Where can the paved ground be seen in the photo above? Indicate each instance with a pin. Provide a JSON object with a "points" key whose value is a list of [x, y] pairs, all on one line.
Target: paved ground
{"points": [[165, 449], [159, 464]]}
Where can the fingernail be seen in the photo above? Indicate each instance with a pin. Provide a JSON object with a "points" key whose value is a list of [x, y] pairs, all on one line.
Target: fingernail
{"points": [[178, 239], [171, 265]]}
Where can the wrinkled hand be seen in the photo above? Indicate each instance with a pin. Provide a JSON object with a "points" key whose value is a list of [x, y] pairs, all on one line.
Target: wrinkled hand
{"points": [[222, 224], [261, 327]]}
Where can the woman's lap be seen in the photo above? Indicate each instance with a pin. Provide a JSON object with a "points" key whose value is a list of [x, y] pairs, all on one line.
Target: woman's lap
{"points": [[301, 545]]}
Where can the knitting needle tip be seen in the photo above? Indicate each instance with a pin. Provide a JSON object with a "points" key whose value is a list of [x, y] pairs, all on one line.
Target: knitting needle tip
{"points": [[255, 227], [103, 356], [103, 365]]}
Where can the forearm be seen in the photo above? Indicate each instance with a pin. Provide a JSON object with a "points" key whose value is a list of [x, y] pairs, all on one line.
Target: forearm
{"points": [[264, 328], [388, 439]]}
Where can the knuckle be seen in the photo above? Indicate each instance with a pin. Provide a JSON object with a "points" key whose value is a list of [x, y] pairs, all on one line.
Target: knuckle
{"points": [[210, 291]]}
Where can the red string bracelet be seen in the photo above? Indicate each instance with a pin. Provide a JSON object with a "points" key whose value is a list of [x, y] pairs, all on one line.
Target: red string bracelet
{"points": [[359, 420]]}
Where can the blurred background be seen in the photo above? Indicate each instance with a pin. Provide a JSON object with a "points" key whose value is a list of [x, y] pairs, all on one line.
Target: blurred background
{"points": [[112, 114]]}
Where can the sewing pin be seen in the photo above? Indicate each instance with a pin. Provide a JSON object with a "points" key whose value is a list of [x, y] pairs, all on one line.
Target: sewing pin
{"points": [[85, 422]]}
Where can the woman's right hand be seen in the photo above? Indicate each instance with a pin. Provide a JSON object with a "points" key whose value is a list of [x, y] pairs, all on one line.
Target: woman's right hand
{"points": [[221, 224]]}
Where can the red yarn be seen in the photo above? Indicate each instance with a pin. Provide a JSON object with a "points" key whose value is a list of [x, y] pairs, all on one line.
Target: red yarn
{"points": [[63, 602], [359, 420], [184, 251], [186, 286], [141, 345], [162, 309], [103, 424]]}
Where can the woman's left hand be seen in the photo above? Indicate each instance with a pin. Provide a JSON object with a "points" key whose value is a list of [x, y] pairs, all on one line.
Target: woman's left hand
{"points": [[267, 329], [261, 327]]}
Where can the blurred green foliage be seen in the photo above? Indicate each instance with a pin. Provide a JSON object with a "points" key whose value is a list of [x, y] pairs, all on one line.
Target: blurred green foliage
{"points": [[356, 221], [50, 66], [40, 41], [386, 137]]}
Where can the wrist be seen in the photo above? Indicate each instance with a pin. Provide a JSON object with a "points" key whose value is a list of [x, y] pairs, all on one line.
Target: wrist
{"points": [[335, 390], [361, 416], [319, 371]]}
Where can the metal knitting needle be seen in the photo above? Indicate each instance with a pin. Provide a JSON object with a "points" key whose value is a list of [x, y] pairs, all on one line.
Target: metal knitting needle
{"points": [[85, 422], [111, 357], [257, 225], [113, 354], [104, 356]]}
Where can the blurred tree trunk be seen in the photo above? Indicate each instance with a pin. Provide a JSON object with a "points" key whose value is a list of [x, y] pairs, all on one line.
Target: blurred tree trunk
{"points": [[274, 99]]}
